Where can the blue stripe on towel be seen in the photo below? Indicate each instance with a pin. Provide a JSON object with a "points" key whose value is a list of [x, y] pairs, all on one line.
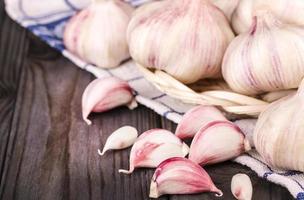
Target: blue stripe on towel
{"points": [[300, 196]]}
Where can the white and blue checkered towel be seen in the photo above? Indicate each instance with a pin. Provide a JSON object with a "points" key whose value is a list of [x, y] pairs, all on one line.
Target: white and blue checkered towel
{"points": [[47, 19]]}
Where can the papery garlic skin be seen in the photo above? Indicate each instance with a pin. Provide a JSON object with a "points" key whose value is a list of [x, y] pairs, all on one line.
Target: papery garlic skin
{"points": [[122, 138], [279, 133], [154, 146], [227, 6], [267, 58], [185, 38], [216, 142], [181, 176], [288, 11], [196, 118], [97, 34], [104, 94], [241, 187]]}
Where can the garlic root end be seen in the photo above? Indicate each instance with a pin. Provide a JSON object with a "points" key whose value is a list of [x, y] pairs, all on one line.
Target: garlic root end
{"points": [[218, 192], [101, 153], [247, 145], [132, 105], [153, 190], [89, 122], [124, 171], [185, 149]]}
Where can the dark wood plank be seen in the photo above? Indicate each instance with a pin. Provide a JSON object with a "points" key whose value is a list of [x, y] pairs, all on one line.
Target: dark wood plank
{"points": [[48, 152], [12, 57]]}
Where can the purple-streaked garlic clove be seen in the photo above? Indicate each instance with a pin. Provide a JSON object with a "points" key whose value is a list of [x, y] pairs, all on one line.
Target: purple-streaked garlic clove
{"points": [[196, 118], [104, 94], [122, 138], [241, 187], [218, 141], [154, 146], [181, 176]]}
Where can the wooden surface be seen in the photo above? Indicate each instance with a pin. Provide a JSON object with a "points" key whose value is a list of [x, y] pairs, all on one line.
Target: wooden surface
{"points": [[48, 152]]}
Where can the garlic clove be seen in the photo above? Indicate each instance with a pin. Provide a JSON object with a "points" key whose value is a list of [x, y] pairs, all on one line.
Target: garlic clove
{"points": [[228, 7], [267, 58], [196, 118], [290, 12], [241, 187], [120, 139], [104, 94], [279, 132], [153, 147], [97, 33], [181, 176], [216, 142], [187, 39]]}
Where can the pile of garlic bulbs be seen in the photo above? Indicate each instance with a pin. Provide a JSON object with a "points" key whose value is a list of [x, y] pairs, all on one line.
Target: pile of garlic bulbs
{"points": [[194, 39]]}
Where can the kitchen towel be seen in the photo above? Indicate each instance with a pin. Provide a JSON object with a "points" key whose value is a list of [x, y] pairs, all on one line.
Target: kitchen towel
{"points": [[47, 19]]}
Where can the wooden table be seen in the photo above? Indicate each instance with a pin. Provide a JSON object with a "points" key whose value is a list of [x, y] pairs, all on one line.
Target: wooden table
{"points": [[48, 152]]}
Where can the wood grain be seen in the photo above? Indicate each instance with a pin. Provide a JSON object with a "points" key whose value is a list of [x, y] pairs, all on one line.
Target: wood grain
{"points": [[47, 151]]}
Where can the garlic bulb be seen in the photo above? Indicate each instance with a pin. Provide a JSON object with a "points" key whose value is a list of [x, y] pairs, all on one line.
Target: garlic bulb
{"points": [[216, 142], [97, 33], [104, 94], [289, 11], [185, 38], [270, 57], [154, 146], [241, 187], [279, 132], [197, 118], [181, 176], [227, 6], [120, 139]]}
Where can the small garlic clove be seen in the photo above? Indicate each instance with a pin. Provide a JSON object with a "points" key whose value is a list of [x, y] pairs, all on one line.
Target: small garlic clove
{"points": [[218, 141], [153, 147], [97, 34], [104, 94], [241, 187], [181, 176], [196, 118], [120, 139]]}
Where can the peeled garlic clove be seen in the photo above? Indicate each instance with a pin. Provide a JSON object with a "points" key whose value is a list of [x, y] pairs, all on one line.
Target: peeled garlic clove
{"points": [[187, 39], [267, 58], [216, 142], [181, 176], [120, 139], [97, 33], [104, 94], [241, 187], [290, 12], [196, 118], [153, 147], [279, 132], [227, 6]]}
